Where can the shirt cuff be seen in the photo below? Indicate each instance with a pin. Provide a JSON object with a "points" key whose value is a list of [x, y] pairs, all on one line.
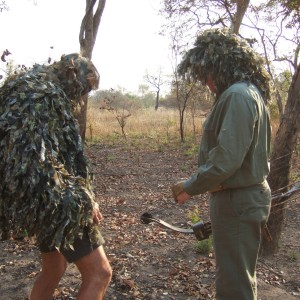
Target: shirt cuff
{"points": [[191, 187]]}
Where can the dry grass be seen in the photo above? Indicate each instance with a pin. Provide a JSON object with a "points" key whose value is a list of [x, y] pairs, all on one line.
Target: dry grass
{"points": [[160, 126], [145, 126]]}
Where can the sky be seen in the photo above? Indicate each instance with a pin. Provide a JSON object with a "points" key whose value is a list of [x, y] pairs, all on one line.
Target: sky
{"points": [[128, 44]]}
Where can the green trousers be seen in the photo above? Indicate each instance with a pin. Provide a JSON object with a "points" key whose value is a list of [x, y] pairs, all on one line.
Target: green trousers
{"points": [[237, 217]]}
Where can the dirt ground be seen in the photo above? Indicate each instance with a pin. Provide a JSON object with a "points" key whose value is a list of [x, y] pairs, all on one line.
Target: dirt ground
{"points": [[148, 261]]}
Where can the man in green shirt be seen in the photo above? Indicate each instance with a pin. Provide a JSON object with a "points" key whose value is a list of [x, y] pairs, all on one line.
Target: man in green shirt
{"points": [[233, 157]]}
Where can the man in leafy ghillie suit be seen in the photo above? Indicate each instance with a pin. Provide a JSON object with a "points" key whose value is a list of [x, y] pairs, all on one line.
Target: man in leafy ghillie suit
{"points": [[45, 186]]}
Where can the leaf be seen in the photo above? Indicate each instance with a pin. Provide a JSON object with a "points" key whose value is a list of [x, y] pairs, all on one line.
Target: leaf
{"points": [[130, 283], [43, 170]]}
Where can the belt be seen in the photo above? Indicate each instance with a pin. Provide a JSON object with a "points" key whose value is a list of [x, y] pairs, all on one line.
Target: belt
{"points": [[218, 189], [221, 187]]}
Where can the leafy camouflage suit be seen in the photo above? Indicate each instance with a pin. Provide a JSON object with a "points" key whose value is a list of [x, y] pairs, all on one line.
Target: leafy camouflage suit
{"points": [[45, 187]]}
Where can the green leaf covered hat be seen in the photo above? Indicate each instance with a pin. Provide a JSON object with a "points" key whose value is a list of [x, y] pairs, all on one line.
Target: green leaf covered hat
{"points": [[227, 59]]}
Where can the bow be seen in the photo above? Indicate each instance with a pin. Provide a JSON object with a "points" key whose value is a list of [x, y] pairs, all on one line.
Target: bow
{"points": [[201, 230]]}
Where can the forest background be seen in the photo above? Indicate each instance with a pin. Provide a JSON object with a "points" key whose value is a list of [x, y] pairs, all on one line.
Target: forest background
{"points": [[155, 120]]}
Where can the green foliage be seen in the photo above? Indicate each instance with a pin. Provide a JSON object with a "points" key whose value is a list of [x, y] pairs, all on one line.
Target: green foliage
{"points": [[225, 58], [284, 80], [191, 151], [160, 148], [289, 8], [282, 84], [293, 255], [190, 147], [120, 100], [183, 168], [294, 176], [194, 216], [147, 100], [204, 247]]}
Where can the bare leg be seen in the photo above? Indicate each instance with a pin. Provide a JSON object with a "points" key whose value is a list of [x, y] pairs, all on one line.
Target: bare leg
{"points": [[53, 268], [96, 275]]}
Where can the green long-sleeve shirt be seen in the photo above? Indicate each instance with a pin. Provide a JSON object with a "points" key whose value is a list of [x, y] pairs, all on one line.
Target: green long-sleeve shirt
{"points": [[235, 146]]}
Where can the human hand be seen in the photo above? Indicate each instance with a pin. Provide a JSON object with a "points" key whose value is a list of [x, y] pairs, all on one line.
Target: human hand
{"points": [[179, 194], [182, 197], [97, 216]]}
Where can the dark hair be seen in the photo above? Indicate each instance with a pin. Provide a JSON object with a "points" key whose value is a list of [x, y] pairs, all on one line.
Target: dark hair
{"points": [[227, 59]]}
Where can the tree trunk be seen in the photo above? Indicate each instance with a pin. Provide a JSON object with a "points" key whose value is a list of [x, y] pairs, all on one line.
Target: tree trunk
{"points": [[181, 123], [157, 100], [283, 148], [87, 38], [89, 27], [81, 116], [241, 8]]}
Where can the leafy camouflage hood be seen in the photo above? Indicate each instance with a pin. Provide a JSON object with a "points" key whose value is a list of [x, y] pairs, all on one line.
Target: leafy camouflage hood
{"points": [[75, 74], [45, 187], [227, 59]]}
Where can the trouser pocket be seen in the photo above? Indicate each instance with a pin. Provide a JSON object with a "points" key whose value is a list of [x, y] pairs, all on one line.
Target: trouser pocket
{"points": [[252, 204]]}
